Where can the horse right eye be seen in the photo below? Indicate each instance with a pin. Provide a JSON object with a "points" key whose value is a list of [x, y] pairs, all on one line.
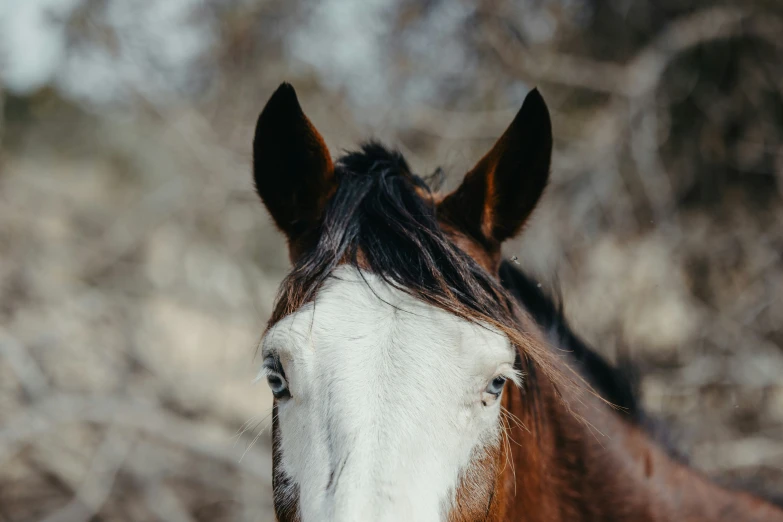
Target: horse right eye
{"points": [[278, 386], [275, 377]]}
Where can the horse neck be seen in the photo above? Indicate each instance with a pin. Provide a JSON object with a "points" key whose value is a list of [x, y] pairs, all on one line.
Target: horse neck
{"points": [[602, 467]]}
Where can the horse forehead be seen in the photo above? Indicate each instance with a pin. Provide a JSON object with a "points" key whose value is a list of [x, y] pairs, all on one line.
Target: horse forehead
{"points": [[357, 315]]}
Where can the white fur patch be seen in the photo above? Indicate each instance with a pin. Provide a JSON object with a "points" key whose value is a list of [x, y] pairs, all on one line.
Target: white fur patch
{"points": [[386, 401]]}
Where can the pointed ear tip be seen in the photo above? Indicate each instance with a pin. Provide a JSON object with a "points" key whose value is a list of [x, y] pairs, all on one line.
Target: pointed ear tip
{"points": [[286, 87], [535, 107], [281, 104], [284, 93], [535, 96]]}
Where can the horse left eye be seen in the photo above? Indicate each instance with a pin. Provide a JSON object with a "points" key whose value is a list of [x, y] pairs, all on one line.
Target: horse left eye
{"points": [[496, 386]]}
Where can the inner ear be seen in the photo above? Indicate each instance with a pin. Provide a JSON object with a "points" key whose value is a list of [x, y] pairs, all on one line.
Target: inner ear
{"points": [[498, 195], [292, 167]]}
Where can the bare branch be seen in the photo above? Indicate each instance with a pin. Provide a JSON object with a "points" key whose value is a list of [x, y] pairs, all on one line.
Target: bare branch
{"points": [[208, 440], [642, 74], [24, 365], [164, 503], [97, 484]]}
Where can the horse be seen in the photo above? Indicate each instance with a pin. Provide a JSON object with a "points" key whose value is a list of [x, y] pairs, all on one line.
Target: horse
{"points": [[418, 376]]}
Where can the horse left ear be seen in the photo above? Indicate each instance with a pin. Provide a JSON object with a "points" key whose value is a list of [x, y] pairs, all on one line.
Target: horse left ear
{"points": [[499, 193], [292, 167]]}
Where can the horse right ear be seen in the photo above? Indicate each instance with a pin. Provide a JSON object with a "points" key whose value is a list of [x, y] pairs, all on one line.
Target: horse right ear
{"points": [[292, 168]]}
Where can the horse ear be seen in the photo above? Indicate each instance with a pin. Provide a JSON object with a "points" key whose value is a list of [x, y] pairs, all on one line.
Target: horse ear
{"points": [[291, 165], [499, 193]]}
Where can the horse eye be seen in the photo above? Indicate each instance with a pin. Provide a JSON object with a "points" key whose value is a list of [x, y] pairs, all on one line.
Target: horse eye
{"points": [[496, 386], [275, 377], [278, 386]]}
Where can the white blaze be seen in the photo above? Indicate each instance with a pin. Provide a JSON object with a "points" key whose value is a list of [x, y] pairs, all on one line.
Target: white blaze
{"points": [[385, 410]]}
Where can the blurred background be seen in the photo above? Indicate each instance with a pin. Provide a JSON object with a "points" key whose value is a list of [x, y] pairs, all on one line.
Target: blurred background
{"points": [[138, 268]]}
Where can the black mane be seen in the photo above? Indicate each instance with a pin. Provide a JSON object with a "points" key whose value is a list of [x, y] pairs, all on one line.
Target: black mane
{"points": [[611, 383], [382, 218]]}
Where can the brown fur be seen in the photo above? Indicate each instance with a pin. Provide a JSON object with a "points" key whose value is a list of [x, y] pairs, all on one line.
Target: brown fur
{"points": [[600, 469]]}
